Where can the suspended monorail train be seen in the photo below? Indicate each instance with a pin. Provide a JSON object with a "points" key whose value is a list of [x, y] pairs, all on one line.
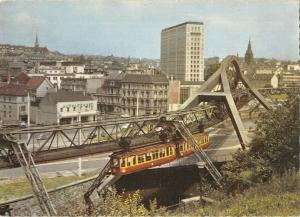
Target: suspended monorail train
{"points": [[138, 159]]}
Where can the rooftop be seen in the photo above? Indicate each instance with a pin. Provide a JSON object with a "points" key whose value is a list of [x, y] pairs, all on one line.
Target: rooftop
{"points": [[14, 90], [35, 82], [145, 78], [65, 96], [182, 24], [32, 83], [115, 76]]}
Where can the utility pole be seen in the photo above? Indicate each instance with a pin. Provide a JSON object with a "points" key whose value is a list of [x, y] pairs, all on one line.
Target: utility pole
{"points": [[137, 103], [28, 109], [28, 114], [79, 120]]}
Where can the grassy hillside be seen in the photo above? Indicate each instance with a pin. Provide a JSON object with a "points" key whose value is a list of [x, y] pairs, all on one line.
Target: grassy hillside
{"points": [[279, 197]]}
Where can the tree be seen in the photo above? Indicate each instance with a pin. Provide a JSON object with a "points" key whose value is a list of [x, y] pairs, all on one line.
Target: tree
{"points": [[80, 59], [277, 137], [274, 150]]}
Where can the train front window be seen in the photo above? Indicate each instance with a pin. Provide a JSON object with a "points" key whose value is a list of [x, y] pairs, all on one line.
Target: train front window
{"points": [[115, 162]]}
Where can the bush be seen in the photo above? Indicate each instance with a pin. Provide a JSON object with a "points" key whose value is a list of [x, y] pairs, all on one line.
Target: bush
{"points": [[273, 151]]}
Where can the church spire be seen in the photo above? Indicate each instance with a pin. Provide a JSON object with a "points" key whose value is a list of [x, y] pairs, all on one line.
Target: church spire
{"points": [[36, 44], [249, 54]]}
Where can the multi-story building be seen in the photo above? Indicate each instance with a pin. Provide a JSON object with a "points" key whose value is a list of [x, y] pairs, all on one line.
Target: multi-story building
{"points": [[73, 84], [52, 70], [182, 52], [293, 67], [73, 67], [290, 79], [134, 94], [56, 79], [144, 94], [66, 107], [108, 95], [13, 103], [38, 85]]}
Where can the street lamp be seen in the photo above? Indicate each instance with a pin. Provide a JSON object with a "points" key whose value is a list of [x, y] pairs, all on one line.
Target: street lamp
{"points": [[137, 103]]}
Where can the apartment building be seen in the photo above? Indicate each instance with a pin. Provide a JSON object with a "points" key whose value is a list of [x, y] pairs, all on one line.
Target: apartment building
{"points": [[13, 103], [144, 94], [182, 52], [134, 94]]}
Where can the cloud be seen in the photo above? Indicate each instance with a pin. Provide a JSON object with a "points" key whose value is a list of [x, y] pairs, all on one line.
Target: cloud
{"points": [[23, 18]]}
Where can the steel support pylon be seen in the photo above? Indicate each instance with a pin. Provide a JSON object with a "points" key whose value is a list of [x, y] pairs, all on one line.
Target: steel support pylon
{"points": [[26, 161], [220, 77], [200, 154], [103, 180]]}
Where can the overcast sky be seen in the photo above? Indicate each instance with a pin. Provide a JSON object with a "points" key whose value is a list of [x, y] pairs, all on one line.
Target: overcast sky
{"points": [[132, 27]]}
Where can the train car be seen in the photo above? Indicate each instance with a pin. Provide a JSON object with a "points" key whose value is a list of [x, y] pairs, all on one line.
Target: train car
{"points": [[125, 162]]}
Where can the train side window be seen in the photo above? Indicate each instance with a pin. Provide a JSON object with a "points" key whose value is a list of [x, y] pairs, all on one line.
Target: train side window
{"points": [[171, 150], [140, 159], [153, 155], [122, 162], [134, 160], [160, 153], [163, 153], [148, 156], [167, 153], [180, 147]]}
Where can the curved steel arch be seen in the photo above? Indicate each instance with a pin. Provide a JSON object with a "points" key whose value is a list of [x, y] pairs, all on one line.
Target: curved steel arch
{"points": [[220, 77]]}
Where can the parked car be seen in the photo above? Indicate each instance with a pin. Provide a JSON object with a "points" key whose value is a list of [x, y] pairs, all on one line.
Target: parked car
{"points": [[43, 137], [22, 124]]}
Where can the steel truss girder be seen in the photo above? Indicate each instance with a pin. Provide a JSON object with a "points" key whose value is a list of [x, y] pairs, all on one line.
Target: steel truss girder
{"points": [[61, 141], [205, 94]]}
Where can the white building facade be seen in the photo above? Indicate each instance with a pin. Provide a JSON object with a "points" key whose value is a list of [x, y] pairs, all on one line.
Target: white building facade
{"points": [[182, 52], [64, 107]]}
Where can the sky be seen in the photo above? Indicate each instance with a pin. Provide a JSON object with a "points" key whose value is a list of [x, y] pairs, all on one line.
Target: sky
{"points": [[133, 27]]}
